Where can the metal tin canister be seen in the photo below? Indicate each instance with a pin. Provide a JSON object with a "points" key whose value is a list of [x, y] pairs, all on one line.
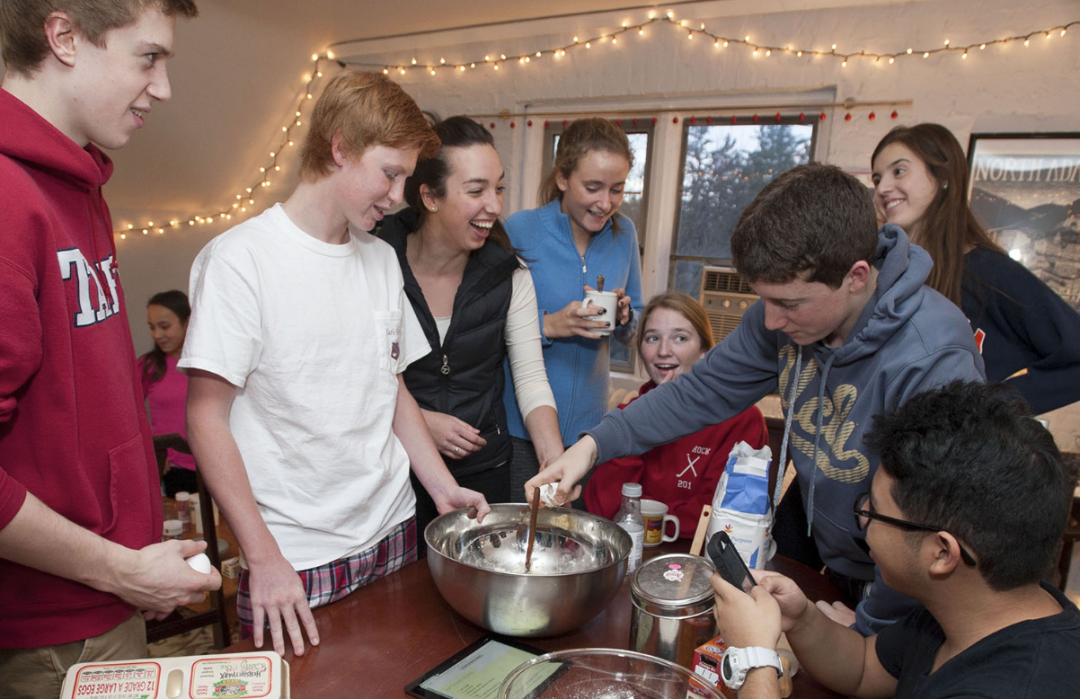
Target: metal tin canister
{"points": [[673, 607]]}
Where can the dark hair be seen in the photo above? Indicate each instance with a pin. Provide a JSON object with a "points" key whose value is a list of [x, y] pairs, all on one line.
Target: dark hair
{"points": [[685, 305], [22, 24], [454, 132], [948, 226], [813, 218], [154, 360], [579, 139], [970, 458]]}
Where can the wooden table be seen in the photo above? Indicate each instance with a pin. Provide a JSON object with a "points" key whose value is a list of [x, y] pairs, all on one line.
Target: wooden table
{"points": [[387, 634]]}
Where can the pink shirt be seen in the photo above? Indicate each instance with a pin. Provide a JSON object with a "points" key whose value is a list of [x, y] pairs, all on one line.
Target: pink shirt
{"points": [[167, 399]]}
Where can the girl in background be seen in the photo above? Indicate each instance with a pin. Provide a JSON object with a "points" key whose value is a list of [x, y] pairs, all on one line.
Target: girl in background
{"points": [[577, 235], [674, 332], [1028, 336], [165, 388]]}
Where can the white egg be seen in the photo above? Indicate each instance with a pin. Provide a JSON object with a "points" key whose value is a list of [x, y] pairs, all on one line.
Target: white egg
{"points": [[547, 494], [200, 562]]}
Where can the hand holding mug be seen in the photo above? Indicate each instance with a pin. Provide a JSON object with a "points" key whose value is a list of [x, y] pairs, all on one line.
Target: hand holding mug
{"points": [[575, 319], [623, 306], [606, 300]]}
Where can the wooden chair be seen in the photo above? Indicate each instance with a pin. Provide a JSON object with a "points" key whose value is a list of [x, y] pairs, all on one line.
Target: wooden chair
{"points": [[1072, 530], [175, 623], [1072, 535]]}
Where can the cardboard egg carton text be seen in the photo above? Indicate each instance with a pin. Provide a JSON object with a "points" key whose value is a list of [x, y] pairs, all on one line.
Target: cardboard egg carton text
{"points": [[261, 675]]}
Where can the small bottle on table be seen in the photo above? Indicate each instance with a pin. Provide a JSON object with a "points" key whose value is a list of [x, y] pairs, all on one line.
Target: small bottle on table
{"points": [[629, 518]]}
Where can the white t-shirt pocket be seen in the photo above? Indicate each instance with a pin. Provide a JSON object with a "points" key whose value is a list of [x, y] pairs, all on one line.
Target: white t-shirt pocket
{"points": [[388, 334]]}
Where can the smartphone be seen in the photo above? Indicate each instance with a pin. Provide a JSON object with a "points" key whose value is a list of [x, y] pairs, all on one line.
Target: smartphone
{"points": [[729, 563]]}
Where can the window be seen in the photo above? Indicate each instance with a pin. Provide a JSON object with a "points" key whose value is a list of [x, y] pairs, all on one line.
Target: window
{"points": [[723, 169], [634, 206]]}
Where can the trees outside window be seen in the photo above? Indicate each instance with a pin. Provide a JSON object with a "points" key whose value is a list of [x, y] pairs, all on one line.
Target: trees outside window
{"points": [[724, 168]]}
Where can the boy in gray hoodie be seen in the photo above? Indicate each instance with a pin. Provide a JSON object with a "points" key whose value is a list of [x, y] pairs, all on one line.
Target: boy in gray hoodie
{"points": [[845, 329]]}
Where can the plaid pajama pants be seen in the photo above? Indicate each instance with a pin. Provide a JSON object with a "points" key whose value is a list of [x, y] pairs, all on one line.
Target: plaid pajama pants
{"points": [[338, 579]]}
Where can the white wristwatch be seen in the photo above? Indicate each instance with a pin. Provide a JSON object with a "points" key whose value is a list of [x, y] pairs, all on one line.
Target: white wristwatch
{"points": [[739, 661]]}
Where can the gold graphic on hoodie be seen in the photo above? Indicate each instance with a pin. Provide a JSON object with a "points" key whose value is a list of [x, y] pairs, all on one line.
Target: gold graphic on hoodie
{"points": [[836, 429]]}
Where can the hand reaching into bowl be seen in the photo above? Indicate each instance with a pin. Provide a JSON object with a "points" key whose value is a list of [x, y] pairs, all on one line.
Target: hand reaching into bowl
{"points": [[547, 495], [457, 498], [566, 470]]}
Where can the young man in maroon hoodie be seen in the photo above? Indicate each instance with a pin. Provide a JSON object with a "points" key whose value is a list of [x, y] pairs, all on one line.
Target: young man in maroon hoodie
{"points": [[80, 504]]}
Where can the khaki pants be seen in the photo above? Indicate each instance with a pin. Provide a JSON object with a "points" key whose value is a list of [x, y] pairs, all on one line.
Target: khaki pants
{"points": [[38, 673]]}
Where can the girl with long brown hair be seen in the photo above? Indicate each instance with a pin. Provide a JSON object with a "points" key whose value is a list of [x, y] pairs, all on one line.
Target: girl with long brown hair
{"points": [[164, 388], [475, 301], [1027, 334]]}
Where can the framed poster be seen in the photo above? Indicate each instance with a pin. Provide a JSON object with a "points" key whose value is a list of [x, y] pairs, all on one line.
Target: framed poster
{"points": [[1025, 190]]}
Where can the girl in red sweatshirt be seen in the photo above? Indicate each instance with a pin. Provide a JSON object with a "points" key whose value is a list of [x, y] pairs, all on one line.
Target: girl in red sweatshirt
{"points": [[673, 334]]}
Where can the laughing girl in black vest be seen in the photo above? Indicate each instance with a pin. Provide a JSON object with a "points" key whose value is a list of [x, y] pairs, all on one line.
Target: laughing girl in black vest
{"points": [[477, 305]]}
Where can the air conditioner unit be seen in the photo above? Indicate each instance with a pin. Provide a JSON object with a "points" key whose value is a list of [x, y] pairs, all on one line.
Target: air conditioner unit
{"points": [[725, 296]]}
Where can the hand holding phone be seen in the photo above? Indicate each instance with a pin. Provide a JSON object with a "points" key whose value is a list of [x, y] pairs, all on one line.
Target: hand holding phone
{"points": [[729, 563]]}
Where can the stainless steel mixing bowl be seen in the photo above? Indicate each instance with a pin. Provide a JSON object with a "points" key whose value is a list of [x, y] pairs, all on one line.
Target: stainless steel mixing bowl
{"points": [[578, 561]]}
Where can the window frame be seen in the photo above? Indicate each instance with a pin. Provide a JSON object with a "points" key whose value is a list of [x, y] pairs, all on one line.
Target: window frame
{"points": [[709, 261]]}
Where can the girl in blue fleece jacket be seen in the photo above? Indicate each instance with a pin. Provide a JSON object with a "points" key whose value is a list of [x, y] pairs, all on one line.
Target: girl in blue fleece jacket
{"points": [[567, 243]]}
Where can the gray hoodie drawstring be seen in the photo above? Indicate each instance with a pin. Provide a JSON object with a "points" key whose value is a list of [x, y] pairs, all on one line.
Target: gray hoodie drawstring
{"points": [[793, 378], [817, 439]]}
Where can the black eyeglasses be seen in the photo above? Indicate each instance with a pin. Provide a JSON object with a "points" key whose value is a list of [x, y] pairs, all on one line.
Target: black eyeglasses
{"points": [[863, 515]]}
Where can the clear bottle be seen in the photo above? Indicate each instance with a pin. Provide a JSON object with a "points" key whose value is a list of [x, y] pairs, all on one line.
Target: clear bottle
{"points": [[183, 509], [195, 513], [629, 518]]}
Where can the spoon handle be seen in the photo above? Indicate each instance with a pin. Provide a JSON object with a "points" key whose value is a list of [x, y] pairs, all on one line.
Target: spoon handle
{"points": [[532, 528], [599, 282]]}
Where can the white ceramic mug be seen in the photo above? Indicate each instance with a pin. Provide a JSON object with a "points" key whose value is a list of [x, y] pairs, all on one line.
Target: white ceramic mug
{"points": [[610, 301], [656, 518]]}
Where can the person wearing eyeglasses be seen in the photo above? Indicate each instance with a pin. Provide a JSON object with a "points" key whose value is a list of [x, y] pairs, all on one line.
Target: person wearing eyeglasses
{"points": [[965, 514]]}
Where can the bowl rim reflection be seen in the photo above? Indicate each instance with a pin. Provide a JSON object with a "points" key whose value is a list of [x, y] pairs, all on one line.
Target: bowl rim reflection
{"points": [[586, 652], [619, 532]]}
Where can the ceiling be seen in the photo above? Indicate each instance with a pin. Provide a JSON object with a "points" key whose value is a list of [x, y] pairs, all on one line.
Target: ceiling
{"points": [[239, 69], [329, 21], [237, 72]]}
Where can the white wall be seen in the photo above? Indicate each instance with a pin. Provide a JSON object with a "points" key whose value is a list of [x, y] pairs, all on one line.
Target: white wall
{"points": [[1004, 88]]}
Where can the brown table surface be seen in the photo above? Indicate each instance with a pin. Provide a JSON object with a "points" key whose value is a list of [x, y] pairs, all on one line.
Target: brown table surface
{"points": [[387, 634]]}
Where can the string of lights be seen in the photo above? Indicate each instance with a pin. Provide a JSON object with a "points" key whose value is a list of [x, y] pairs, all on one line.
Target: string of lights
{"points": [[246, 199], [719, 42]]}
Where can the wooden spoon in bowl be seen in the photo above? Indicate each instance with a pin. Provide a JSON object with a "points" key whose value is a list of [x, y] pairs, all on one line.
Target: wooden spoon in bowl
{"points": [[532, 528]]}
